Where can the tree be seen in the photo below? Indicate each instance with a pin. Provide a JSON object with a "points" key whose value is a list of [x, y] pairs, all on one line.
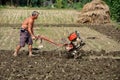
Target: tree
{"points": [[65, 3], [59, 4], [114, 9]]}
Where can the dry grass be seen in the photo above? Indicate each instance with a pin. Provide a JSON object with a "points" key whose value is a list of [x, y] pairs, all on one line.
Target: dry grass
{"points": [[95, 12], [9, 40], [46, 16]]}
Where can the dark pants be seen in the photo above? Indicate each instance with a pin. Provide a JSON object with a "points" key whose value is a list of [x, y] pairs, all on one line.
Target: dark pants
{"points": [[25, 37]]}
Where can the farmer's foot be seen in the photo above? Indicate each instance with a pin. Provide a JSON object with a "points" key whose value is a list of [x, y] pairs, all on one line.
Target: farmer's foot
{"points": [[15, 54], [31, 55], [40, 46]]}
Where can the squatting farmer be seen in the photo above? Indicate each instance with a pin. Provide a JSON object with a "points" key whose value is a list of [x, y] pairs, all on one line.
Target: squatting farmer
{"points": [[27, 33]]}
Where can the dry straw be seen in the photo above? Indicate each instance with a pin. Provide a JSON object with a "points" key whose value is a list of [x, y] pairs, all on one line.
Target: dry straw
{"points": [[95, 12]]}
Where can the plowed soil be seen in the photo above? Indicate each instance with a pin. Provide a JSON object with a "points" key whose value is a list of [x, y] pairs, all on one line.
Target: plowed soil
{"points": [[57, 65]]}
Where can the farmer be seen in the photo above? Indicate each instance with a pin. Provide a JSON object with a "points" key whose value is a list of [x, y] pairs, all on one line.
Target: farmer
{"points": [[27, 33]]}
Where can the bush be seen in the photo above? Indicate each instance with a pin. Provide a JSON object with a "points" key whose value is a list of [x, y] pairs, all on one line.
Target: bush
{"points": [[58, 4], [78, 5], [114, 9]]}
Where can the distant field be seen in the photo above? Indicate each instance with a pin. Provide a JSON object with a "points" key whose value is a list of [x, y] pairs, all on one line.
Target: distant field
{"points": [[11, 16], [11, 21]]}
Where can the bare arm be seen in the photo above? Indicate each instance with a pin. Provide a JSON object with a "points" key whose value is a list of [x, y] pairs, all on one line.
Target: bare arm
{"points": [[30, 28]]}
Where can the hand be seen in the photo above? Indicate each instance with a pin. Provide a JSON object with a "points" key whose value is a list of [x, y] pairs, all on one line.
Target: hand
{"points": [[34, 37]]}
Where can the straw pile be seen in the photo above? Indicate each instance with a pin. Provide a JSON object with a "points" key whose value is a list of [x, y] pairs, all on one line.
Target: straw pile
{"points": [[95, 12]]}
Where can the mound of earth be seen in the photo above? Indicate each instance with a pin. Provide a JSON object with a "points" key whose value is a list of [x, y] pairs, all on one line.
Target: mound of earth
{"points": [[55, 65]]}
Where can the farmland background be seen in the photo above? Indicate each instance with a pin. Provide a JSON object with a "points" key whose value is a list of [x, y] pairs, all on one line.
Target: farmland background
{"points": [[97, 60], [114, 5], [54, 24]]}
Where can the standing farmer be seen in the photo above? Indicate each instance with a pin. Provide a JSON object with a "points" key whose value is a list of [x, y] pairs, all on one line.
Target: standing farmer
{"points": [[27, 33]]}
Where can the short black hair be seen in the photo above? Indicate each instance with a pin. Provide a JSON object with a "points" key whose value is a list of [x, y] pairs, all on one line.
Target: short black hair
{"points": [[34, 13]]}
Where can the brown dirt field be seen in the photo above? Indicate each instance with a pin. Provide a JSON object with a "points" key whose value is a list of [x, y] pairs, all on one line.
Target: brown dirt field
{"points": [[50, 65], [57, 65]]}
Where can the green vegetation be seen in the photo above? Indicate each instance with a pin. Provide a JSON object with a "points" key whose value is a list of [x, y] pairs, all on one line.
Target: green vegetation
{"points": [[45, 3], [114, 9]]}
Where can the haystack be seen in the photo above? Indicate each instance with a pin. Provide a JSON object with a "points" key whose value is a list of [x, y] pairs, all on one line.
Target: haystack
{"points": [[95, 12]]}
